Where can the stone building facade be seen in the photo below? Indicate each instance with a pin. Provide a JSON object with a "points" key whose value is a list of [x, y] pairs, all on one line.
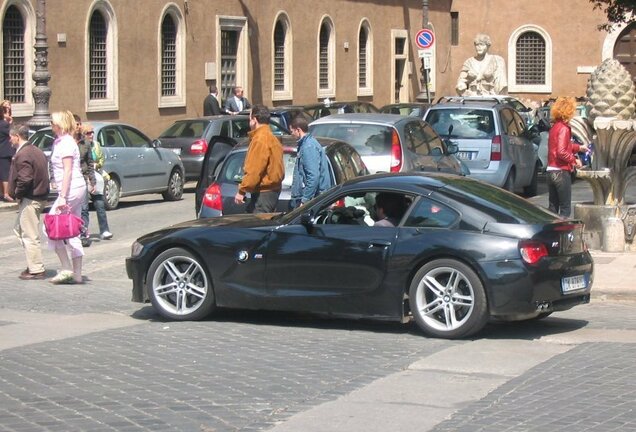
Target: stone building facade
{"points": [[149, 62]]}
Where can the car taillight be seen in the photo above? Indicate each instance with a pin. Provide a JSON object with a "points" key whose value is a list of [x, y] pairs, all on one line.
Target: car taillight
{"points": [[532, 251], [212, 197], [396, 152], [495, 148], [199, 147]]}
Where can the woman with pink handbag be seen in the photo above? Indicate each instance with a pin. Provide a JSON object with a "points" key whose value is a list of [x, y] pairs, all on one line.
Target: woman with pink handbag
{"points": [[67, 175]]}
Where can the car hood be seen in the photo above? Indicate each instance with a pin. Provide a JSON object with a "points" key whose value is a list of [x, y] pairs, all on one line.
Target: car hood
{"points": [[235, 221]]}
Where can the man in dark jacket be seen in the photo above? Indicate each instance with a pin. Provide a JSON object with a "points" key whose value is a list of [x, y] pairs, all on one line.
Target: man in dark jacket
{"points": [[211, 103], [29, 184]]}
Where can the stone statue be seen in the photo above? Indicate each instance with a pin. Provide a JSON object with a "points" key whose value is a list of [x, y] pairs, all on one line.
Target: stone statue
{"points": [[483, 74]]}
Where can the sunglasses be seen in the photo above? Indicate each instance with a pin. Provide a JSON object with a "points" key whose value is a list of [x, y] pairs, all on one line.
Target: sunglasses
{"points": [[89, 132]]}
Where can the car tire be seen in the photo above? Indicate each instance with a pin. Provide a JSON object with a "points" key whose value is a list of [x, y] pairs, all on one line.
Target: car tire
{"points": [[448, 300], [175, 187], [509, 184], [179, 287], [531, 190], [112, 193]]}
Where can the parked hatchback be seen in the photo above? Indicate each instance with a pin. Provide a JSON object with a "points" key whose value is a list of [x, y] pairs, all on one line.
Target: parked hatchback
{"points": [[135, 163], [216, 198], [391, 142], [190, 138], [493, 141]]}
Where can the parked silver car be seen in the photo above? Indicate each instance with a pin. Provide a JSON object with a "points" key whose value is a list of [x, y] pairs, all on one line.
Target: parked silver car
{"points": [[493, 141], [391, 142], [135, 163]]}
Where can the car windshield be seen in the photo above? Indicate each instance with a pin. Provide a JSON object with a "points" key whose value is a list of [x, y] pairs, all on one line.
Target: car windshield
{"points": [[232, 170], [185, 129], [367, 139], [467, 123]]}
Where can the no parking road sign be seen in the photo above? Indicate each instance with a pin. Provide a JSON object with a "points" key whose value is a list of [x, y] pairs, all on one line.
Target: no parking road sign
{"points": [[425, 39]]}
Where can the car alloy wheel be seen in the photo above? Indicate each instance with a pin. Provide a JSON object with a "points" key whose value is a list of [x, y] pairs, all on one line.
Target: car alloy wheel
{"points": [[112, 192], [175, 187], [447, 299], [179, 287]]}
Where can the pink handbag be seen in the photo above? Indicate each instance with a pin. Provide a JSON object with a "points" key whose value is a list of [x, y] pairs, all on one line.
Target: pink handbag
{"points": [[62, 226]]}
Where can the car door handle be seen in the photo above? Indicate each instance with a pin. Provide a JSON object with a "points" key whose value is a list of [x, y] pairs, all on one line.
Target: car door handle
{"points": [[379, 243]]}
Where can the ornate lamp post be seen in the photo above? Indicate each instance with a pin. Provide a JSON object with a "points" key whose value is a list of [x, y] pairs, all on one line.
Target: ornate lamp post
{"points": [[41, 76], [424, 95]]}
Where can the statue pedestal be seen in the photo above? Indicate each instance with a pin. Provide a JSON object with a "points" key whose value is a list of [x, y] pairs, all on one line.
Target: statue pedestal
{"points": [[604, 229], [600, 181]]}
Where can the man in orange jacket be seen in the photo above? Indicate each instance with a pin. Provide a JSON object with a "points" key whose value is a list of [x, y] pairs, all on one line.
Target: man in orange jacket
{"points": [[263, 168]]}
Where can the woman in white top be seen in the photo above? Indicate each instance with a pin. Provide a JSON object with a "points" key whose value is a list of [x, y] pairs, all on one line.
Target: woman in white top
{"points": [[67, 175]]}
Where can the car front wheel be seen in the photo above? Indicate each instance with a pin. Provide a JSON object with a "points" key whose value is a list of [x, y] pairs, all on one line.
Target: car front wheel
{"points": [[175, 187], [112, 193], [447, 299], [179, 287]]}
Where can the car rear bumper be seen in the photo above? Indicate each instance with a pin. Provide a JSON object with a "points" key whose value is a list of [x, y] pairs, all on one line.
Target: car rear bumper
{"points": [[495, 174], [518, 291], [192, 166]]}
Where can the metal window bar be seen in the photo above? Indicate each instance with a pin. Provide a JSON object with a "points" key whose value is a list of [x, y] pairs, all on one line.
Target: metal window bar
{"points": [[168, 57], [325, 35], [530, 63], [454, 28], [279, 56], [229, 51], [362, 58], [98, 59], [13, 55]]}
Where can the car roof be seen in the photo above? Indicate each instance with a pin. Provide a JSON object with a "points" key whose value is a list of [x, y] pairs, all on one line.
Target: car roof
{"points": [[289, 142], [212, 118], [372, 118], [96, 124]]}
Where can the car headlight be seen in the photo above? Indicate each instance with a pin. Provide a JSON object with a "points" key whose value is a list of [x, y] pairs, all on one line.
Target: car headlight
{"points": [[136, 249]]}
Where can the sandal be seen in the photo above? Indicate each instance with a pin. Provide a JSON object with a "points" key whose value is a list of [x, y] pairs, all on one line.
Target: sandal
{"points": [[63, 277]]}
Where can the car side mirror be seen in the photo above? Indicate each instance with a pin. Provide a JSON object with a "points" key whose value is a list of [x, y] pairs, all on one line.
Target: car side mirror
{"points": [[306, 219], [452, 148], [155, 143]]}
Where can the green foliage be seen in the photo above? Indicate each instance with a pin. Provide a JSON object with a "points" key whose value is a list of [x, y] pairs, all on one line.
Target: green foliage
{"points": [[617, 11]]}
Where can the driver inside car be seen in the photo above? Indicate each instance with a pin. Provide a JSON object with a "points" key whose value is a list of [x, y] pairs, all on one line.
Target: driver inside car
{"points": [[389, 209]]}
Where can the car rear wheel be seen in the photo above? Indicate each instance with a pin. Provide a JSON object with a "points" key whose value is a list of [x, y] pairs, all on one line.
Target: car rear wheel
{"points": [[112, 193], [179, 287], [447, 299], [531, 189], [509, 185], [175, 187]]}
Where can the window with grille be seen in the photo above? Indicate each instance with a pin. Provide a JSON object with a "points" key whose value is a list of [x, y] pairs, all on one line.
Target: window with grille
{"points": [[13, 55], [279, 56], [530, 67], [454, 28], [98, 69], [168, 57], [229, 53], [325, 36], [363, 48]]}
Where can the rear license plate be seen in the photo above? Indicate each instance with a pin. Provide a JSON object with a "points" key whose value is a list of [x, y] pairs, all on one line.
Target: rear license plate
{"points": [[573, 283], [466, 155], [177, 150]]}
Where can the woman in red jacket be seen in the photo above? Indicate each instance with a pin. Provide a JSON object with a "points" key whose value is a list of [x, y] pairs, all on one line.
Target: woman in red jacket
{"points": [[561, 159]]}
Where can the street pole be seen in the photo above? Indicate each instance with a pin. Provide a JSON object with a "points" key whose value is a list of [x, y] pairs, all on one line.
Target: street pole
{"points": [[423, 69], [41, 76]]}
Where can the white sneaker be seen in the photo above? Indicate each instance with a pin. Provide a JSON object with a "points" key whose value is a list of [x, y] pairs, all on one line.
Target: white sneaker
{"points": [[106, 235]]}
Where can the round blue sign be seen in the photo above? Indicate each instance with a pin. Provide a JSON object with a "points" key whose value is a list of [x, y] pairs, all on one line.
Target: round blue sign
{"points": [[424, 38]]}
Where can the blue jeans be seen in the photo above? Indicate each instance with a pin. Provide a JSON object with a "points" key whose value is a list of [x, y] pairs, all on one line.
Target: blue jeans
{"points": [[100, 209], [560, 192]]}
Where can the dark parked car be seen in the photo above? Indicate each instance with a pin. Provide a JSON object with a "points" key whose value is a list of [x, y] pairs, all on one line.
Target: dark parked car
{"points": [[283, 115], [463, 251], [135, 163], [406, 109], [324, 109], [189, 138], [391, 143], [217, 198]]}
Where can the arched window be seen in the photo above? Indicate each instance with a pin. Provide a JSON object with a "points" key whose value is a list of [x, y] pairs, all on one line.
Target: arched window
{"points": [[13, 70], [326, 59], [365, 60], [17, 61], [171, 67], [282, 55], [530, 60], [101, 67]]}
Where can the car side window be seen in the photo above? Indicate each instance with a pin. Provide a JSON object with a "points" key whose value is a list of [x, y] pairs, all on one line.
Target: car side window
{"points": [[225, 129], [241, 128], [111, 137], [415, 138], [431, 214], [136, 138], [362, 209], [434, 141], [521, 125], [508, 122]]}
